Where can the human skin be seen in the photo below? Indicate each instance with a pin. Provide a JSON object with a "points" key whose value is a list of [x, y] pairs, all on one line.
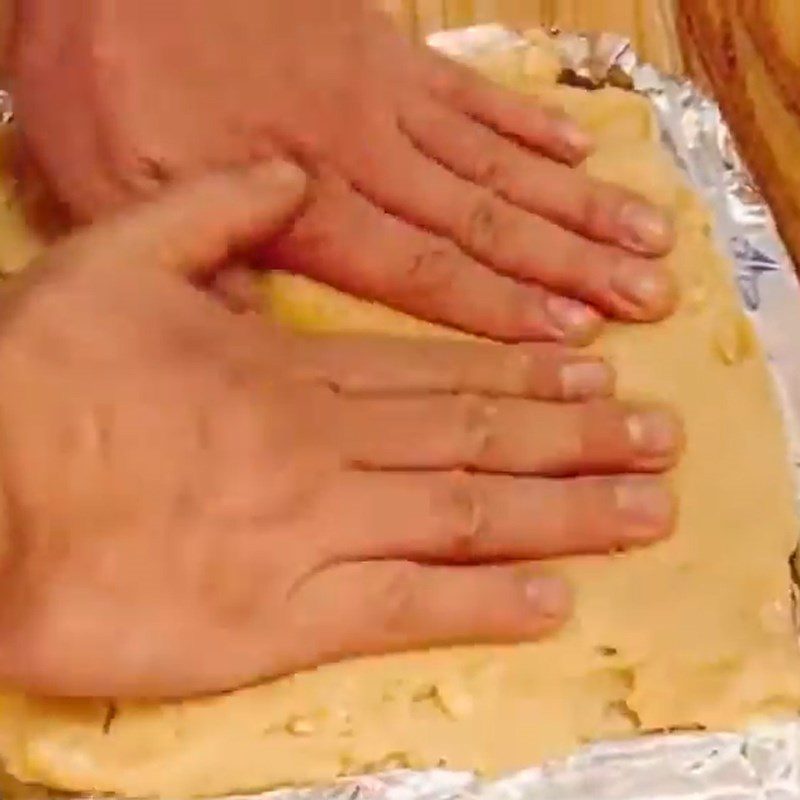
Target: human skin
{"points": [[435, 191], [183, 490]]}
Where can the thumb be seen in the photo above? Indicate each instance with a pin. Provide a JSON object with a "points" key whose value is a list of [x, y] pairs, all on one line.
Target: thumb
{"points": [[194, 227]]}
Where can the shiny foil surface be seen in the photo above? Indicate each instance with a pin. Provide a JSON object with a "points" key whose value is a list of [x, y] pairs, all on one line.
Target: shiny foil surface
{"points": [[764, 763]]}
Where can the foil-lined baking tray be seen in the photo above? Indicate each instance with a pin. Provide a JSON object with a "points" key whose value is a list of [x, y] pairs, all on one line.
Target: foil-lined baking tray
{"points": [[764, 763]]}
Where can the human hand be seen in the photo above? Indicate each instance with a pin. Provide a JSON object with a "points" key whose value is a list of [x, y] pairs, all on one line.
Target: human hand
{"points": [[437, 192], [192, 501]]}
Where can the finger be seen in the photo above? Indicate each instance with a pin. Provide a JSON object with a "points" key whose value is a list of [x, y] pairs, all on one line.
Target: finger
{"points": [[346, 241], [571, 198], [386, 606], [516, 242], [459, 517], [506, 435], [238, 288], [195, 227], [548, 130], [365, 365]]}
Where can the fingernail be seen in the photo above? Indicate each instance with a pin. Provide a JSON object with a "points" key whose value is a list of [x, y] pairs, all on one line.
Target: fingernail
{"points": [[576, 321], [647, 507], [647, 286], [578, 142], [548, 595], [647, 229], [654, 432], [581, 379]]}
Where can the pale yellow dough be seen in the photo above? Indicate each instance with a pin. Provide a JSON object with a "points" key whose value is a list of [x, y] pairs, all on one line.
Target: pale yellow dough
{"points": [[696, 631]]}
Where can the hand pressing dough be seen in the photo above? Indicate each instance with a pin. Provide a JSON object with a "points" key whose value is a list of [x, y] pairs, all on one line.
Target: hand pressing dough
{"points": [[695, 632]]}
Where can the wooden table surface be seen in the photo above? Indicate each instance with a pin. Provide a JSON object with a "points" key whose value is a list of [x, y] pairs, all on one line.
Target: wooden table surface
{"points": [[649, 23]]}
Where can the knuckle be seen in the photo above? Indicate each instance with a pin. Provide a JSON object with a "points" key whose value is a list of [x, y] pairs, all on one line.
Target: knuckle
{"points": [[481, 223], [461, 516], [150, 173], [492, 170], [430, 274], [398, 596], [476, 423]]}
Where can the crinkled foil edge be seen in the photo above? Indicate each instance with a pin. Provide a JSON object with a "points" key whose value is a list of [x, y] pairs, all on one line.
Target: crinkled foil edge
{"points": [[763, 763]]}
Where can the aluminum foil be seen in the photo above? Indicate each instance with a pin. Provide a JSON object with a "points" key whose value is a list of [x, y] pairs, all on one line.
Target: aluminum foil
{"points": [[764, 763]]}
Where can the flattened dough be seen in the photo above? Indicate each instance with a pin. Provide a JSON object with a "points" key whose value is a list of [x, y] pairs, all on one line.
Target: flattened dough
{"points": [[696, 631]]}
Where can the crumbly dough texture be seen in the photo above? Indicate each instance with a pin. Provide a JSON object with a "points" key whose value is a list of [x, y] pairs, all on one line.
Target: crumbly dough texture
{"points": [[694, 632]]}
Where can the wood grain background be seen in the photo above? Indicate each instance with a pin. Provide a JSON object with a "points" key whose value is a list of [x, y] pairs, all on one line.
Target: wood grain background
{"points": [[649, 23], [750, 52]]}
